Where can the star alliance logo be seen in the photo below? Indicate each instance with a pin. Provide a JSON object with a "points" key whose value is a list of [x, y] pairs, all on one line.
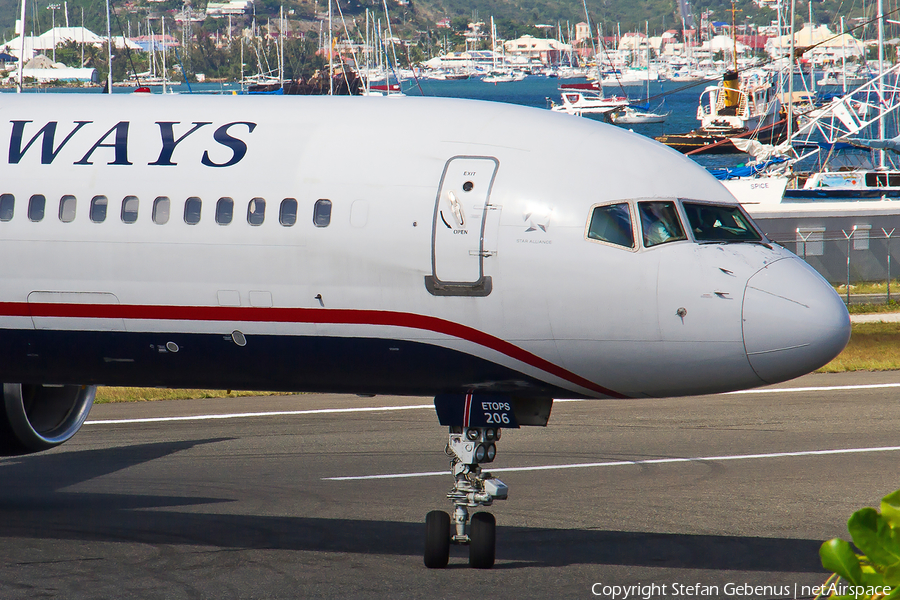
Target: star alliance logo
{"points": [[538, 222]]}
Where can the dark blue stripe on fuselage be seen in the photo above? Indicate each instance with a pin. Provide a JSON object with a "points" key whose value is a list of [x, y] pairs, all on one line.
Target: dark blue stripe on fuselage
{"points": [[267, 362]]}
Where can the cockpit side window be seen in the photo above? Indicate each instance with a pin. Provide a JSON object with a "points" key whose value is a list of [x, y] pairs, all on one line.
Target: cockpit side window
{"points": [[612, 223], [660, 223], [717, 223]]}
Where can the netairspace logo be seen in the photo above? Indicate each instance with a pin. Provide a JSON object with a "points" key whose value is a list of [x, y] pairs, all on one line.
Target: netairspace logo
{"points": [[734, 590]]}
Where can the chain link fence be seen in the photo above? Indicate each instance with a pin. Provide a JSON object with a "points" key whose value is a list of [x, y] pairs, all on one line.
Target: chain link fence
{"points": [[849, 257]]}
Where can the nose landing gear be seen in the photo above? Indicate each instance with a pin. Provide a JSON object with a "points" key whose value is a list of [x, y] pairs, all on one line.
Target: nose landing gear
{"points": [[473, 488], [475, 423]]}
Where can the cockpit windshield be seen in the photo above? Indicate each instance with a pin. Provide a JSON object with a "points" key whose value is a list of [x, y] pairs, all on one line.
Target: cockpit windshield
{"points": [[718, 223], [659, 223]]}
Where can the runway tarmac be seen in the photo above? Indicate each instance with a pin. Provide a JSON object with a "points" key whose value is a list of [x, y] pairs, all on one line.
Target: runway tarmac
{"points": [[146, 503]]}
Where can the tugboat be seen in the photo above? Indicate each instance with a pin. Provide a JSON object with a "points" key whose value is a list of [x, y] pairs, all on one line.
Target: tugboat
{"points": [[739, 106]]}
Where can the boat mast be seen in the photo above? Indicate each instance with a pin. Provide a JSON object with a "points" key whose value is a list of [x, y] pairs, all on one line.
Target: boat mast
{"points": [[812, 62], [330, 53], [734, 37], [165, 75], [647, 29], [280, 45], [493, 46], [587, 17], [390, 40], [152, 47], [22, 52], [843, 60], [780, 87], [881, 132], [790, 99], [368, 58], [109, 40]]}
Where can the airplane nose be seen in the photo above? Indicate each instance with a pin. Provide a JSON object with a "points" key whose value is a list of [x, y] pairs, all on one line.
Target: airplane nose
{"points": [[794, 321]]}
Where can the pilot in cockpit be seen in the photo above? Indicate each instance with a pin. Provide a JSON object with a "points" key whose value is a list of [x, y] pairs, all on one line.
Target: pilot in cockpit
{"points": [[659, 223], [706, 222]]}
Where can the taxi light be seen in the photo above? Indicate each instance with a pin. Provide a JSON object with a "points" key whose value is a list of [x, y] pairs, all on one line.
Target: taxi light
{"points": [[480, 453], [491, 452]]}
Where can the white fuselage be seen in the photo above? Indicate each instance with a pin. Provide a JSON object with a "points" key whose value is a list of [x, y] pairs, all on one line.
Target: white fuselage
{"points": [[455, 256]]}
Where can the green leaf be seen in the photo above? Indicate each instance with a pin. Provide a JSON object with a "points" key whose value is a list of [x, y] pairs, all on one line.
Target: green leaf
{"points": [[838, 558], [872, 579], [892, 576], [890, 508], [874, 536]]}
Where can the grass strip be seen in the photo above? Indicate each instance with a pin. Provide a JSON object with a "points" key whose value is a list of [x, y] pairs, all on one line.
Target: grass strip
{"points": [[882, 307], [869, 287], [107, 395], [872, 347]]}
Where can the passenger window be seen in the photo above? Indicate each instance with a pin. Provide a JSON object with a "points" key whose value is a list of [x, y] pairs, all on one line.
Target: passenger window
{"points": [[67, 209], [322, 213], [98, 208], [256, 211], [192, 208], [612, 224], [130, 209], [712, 223], [7, 207], [36, 207], [287, 216], [161, 210], [224, 211], [659, 223]]}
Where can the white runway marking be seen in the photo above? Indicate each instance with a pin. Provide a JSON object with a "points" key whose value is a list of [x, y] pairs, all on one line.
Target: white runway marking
{"points": [[322, 411], [280, 413], [824, 388], [622, 463]]}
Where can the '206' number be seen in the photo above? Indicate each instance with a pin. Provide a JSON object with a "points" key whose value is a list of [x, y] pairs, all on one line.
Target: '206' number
{"points": [[497, 418]]}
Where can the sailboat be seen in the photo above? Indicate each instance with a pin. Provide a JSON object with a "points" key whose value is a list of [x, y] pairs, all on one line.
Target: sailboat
{"points": [[629, 115]]}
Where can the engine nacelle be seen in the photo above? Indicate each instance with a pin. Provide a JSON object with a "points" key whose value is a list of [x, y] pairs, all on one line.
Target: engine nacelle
{"points": [[38, 417]]}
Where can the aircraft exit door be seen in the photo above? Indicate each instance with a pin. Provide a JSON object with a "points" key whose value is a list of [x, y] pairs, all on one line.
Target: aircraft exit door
{"points": [[461, 222]]}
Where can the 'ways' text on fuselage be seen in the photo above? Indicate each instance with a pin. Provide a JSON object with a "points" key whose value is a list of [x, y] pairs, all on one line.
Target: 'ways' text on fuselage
{"points": [[116, 139]]}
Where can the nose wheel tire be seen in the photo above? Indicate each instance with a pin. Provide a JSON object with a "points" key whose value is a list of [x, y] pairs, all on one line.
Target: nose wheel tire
{"points": [[482, 540], [437, 540]]}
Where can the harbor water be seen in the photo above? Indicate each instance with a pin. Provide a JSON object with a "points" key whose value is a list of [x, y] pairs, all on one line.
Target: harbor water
{"points": [[680, 99]]}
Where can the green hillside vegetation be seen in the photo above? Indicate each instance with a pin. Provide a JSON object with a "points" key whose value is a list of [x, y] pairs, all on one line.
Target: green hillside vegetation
{"points": [[514, 17], [414, 21]]}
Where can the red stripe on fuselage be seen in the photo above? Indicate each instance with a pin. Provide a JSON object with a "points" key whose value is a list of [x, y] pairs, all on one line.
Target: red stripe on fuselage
{"points": [[299, 315]]}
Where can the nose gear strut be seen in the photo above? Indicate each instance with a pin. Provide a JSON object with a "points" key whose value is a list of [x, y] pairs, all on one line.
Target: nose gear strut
{"points": [[475, 422], [472, 488]]}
